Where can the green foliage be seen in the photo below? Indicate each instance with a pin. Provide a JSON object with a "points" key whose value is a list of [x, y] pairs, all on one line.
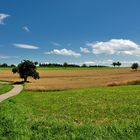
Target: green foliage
{"points": [[25, 69], [135, 66], [106, 113], [65, 64], [84, 65], [15, 70], [5, 88], [117, 64]]}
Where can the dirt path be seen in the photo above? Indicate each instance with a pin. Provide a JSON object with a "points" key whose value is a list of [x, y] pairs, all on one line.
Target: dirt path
{"points": [[16, 90]]}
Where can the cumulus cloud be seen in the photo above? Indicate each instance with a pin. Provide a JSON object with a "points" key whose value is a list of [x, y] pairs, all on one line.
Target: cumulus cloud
{"points": [[115, 46], [3, 17], [64, 52], [84, 50], [25, 46], [56, 44], [26, 29]]}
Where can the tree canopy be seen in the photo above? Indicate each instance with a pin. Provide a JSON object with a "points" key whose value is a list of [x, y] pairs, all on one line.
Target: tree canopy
{"points": [[25, 69], [135, 66], [117, 64]]}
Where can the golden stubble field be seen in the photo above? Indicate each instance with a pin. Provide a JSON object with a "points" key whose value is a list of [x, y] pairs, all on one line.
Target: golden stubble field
{"points": [[69, 79]]}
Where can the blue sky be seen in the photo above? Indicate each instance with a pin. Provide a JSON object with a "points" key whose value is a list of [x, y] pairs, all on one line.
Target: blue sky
{"points": [[75, 31]]}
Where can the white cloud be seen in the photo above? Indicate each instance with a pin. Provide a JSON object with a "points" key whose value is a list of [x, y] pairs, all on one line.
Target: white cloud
{"points": [[115, 46], [99, 62], [84, 50], [25, 46], [89, 63], [104, 62], [26, 29], [56, 44], [3, 17], [64, 52], [7, 57]]}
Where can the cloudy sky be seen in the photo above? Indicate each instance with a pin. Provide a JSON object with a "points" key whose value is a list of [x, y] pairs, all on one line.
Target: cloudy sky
{"points": [[73, 31]]}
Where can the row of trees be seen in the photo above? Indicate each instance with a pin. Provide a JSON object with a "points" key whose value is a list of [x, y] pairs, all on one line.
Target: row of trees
{"points": [[66, 65], [51, 65], [134, 65], [6, 65], [58, 65]]}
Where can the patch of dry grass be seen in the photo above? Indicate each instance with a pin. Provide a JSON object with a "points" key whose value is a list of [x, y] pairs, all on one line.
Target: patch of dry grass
{"points": [[69, 79], [133, 82]]}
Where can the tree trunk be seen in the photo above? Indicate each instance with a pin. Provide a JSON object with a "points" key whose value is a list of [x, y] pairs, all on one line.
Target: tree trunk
{"points": [[25, 79]]}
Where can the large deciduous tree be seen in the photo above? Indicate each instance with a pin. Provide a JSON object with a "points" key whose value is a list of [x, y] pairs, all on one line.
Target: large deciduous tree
{"points": [[25, 69]]}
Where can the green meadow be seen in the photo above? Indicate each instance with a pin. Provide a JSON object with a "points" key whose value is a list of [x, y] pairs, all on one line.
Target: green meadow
{"points": [[78, 68], [105, 113], [4, 88], [67, 68]]}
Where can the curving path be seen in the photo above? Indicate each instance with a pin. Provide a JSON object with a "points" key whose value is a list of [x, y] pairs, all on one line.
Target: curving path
{"points": [[16, 90]]}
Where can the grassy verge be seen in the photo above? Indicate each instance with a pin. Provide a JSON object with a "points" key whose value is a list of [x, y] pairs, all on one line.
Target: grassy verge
{"points": [[74, 68], [4, 88], [7, 68], [99, 113], [70, 68]]}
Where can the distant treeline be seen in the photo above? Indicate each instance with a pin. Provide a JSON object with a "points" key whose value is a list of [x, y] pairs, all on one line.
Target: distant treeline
{"points": [[54, 65], [66, 65], [58, 65], [6, 65]]}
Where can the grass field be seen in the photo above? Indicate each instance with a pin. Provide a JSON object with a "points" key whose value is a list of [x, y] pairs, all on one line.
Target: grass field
{"points": [[76, 68], [67, 68], [104, 113], [4, 88]]}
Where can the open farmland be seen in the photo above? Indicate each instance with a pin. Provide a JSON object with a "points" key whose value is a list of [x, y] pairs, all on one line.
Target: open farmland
{"points": [[69, 79]]}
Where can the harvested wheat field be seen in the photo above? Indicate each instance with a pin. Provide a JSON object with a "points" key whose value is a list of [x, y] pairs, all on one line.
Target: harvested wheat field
{"points": [[69, 79]]}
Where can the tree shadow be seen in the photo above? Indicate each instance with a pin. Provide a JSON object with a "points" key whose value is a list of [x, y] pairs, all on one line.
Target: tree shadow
{"points": [[18, 83]]}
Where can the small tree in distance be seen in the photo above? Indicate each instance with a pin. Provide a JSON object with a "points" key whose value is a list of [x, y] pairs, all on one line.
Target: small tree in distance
{"points": [[65, 64], [114, 64], [118, 64], [25, 69], [135, 66], [84, 65]]}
